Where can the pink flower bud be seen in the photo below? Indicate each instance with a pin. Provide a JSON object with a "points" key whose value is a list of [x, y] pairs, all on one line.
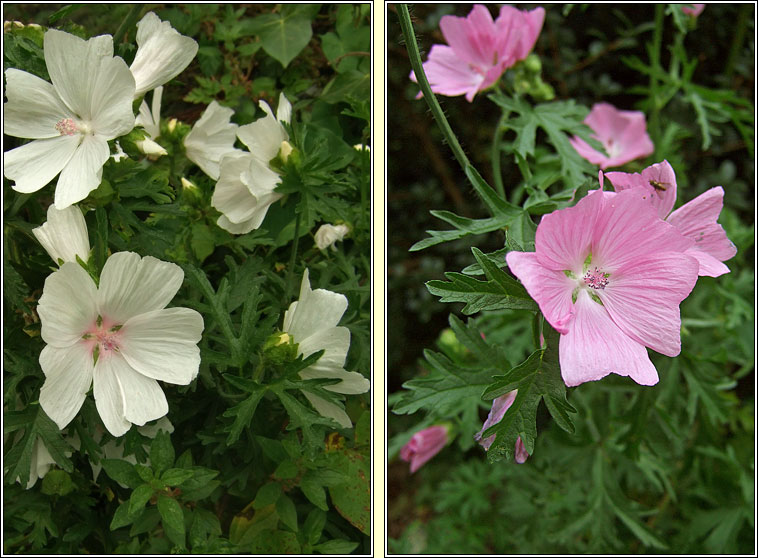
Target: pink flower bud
{"points": [[499, 406], [424, 445], [695, 10]]}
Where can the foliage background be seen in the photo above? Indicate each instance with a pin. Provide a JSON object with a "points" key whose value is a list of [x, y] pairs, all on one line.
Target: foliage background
{"points": [[249, 467], [663, 469]]}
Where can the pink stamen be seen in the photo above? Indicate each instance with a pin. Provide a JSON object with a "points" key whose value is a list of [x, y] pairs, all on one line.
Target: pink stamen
{"points": [[596, 279], [67, 127]]}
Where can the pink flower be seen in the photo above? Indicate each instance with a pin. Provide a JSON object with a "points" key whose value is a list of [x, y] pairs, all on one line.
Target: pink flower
{"points": [[480, 49], [695, 10], [609, 275], [623, 134], [499, 406], [424, 445], [695, 219]]}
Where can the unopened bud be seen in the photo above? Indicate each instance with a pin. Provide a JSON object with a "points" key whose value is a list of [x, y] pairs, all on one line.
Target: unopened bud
{"points": [[284, 151], [172, 125], [279, 348], [187, 185], [533, 63]]}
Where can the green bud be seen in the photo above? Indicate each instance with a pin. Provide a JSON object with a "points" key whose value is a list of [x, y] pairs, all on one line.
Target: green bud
{"points": [[57, 483], [280, 348], [533, 63]]}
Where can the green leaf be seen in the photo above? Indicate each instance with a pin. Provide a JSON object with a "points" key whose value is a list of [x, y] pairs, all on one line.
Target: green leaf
{"points": [[352, 498], [314, 491], [287, 512], [121, 518], [139, 498], [204, 523], [175, 477], [161, 452], [275, 542], [267, 494], [242, 412], [314, 525], [172, 518], [536, 378], [284, 35], [500, 291], [286, 470], [122, 472], [336, 546]]}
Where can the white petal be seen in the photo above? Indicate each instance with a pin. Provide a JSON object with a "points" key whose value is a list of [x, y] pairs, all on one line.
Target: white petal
{"points": [[231, 196], [82, 173], [33, 108], [144, 399], [328, 409], [73, 65], [149, 147], [109, 395], [352, 382], [237, 228], [35, 164], [162, 53], [211, 138], [68, 376], [150, 120], [284, 109], [64, 234], [163, 344], [130, 285], [335, 341], [67, 307], [314, 311], [112, 96], [264, 136]]}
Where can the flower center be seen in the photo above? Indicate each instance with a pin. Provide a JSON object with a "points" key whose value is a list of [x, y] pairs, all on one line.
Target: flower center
{"points": [[67, 127], [104, 337], [612, 148], [596, 279]]}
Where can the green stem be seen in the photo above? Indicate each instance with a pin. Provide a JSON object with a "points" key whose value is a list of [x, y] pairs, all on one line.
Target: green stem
{"points": [[129, 21], [415, 57], [291, 267], [496, 156], [655, 65]]}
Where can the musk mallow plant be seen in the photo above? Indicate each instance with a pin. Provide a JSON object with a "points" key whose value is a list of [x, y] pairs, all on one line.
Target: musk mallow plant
{"points": [[132, 306], [577, 296]]}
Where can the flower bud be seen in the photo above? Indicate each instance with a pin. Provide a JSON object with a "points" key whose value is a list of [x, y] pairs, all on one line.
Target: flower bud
{"points": [[172, 125], [328, 235], [64, 235], [499, 406], [424, 445], [280, 348], [284, 151]]}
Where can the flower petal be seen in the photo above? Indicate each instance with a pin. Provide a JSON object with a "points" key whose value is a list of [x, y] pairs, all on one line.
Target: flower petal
{"points": [[64, 234], [643, 298], [449, 75], [697, 220], [264, 136], [315, 310], [231, 196], [33, 108], [112, 96], [658, 183], [68, 377], [34, 165], [130, 285], [328, 409], [144, 399], [551, 289], [74, 66], [211, 138], [473, 38], [595, 347], [163, 344], [67, 307], [564, 237], [162, 53], [83, 172], [628, 228], [284, 109], [709, 266], [109, 395]]}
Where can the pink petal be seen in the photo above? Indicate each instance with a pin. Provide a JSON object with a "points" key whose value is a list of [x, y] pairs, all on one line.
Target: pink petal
{"points": [[449, 75], [521, 454], [588, 153], [643, 298], [628, 228], [563, 237], [697, 220], [499, 406], [596, 347], [709, 266], [658, 183], [424, 445], [525, 27], [473, 38], [551, 289]]}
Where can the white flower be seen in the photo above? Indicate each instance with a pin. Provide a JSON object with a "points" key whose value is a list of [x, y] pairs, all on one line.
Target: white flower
{"points": [[151, 122], [71, 119], [245, 187], [40, 463], [312, 323], [162, 53], [244, 192], [264, 137], [118, 337], [211, 138], [64, 234], [327, 236]]}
